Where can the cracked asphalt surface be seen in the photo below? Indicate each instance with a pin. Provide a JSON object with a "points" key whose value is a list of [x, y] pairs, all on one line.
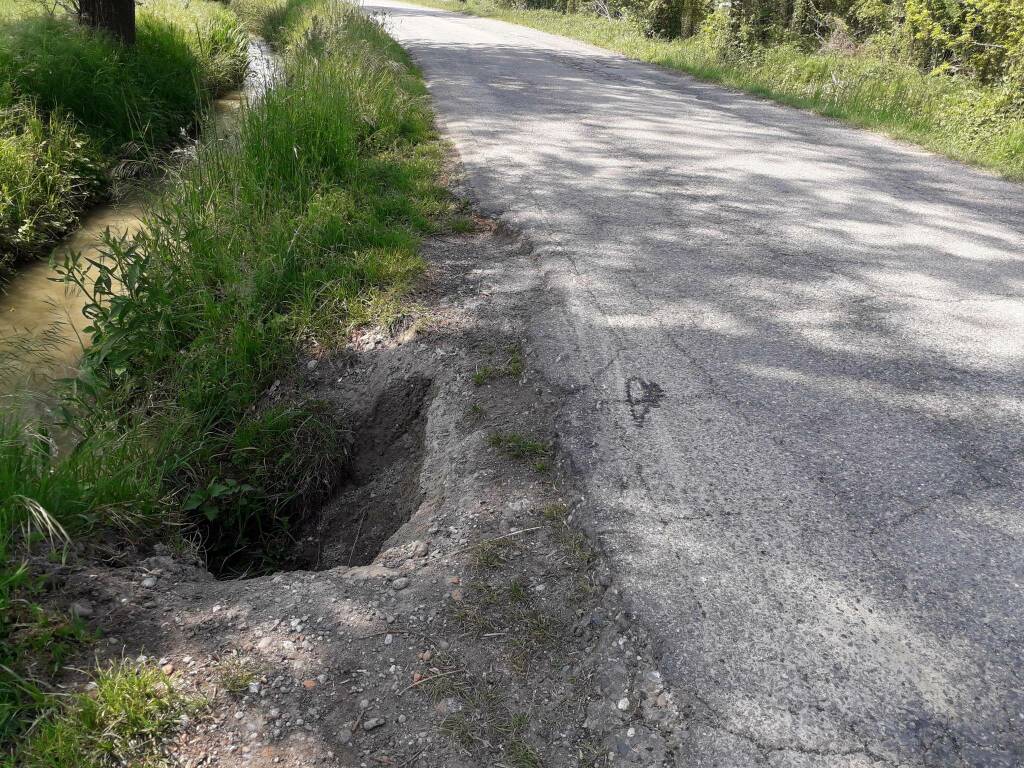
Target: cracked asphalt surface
{"points": [[792, 354]]}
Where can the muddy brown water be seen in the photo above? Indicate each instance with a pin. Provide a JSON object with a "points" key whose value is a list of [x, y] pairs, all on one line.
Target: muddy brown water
{"points": [[41, 321]]}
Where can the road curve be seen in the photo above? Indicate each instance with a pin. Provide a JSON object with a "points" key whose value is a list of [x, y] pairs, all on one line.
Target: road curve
{"points": [[794, 359]]}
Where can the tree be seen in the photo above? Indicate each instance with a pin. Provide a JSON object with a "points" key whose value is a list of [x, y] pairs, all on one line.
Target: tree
{"points": [[114, 16]]}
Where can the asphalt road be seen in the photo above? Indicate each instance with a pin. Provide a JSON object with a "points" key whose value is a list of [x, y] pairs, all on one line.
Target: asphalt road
{"points": [[793, 355]]}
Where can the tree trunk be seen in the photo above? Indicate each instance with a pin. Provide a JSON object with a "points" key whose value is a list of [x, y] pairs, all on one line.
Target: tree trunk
{"points": [[114, 16]]}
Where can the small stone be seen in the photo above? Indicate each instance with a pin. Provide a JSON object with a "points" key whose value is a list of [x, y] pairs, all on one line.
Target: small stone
{"points": [[149, 582], [623, 704], [239, 715], [388, 639], [402, 718], [81, 609], [309, 684], [400, 583], [167, 669], [373, 722], [458, 595]]}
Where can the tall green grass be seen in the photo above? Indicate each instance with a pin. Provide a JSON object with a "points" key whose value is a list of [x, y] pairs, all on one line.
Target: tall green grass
{"points": [[270, 247], [279, 238], [870, 88], [76, 107]]}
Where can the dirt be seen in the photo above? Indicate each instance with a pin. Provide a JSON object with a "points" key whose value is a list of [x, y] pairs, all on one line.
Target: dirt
{"points": [[443, 609]]}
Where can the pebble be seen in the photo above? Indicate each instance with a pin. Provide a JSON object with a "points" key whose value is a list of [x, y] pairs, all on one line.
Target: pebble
{"points": [[388, 639], [373, 722], [81, 609], [400, 583], [149, 582], [623, 704]]}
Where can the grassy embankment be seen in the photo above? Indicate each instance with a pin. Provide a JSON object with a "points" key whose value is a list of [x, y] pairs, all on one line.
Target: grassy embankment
{"points": [[76, 108], [954, 116], [271, 246]]}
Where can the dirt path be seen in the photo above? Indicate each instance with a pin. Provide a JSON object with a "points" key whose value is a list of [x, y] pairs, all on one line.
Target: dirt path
{"points": [[792, 354]]}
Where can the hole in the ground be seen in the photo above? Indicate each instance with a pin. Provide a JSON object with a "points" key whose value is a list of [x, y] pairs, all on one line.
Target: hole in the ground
{"points": [[381, 489]]}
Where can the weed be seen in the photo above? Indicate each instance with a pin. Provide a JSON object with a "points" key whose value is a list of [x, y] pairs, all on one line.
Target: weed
{"points": [[517, 591], [521, 754], [133, 709], [460, 730], [491, 554], [541, 628], [442, 685], [475, 413], [483, 374], [236, 673], [517, 446], [555, 513], [462, 224], [512, 367]]}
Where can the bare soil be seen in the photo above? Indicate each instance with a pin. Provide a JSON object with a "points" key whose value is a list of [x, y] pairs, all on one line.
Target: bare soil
{"points": [[442, 609]]}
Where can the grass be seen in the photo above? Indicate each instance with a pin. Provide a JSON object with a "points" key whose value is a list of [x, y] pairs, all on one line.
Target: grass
{"points": [[512, 367], [522, 448], [235, 674], [302, 227], [953, 116], [77, 109], [278, 240], [125, 720]]}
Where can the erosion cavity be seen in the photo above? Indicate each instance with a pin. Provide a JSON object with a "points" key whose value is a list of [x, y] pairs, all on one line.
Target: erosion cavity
{"points": [[381, 488]]}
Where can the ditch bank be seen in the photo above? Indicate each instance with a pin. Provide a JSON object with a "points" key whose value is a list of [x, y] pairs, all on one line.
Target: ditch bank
{"points": [[440, 609], [42, 328]]}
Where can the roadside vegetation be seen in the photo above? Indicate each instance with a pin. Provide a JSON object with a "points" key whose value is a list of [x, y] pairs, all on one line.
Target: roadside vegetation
{"points": [[277, 240], [77, 109], [946, 75]]}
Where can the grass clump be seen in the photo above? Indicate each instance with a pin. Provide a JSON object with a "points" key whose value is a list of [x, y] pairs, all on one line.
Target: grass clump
{"points": [[77, 108], [512, 367], [235, 674], [522, 448], [124, 721], [870, 83]]}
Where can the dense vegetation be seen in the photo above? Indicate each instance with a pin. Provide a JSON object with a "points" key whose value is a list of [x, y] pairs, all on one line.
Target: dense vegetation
{"points": [[77, 108], [948, 74], [268, 248]]}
